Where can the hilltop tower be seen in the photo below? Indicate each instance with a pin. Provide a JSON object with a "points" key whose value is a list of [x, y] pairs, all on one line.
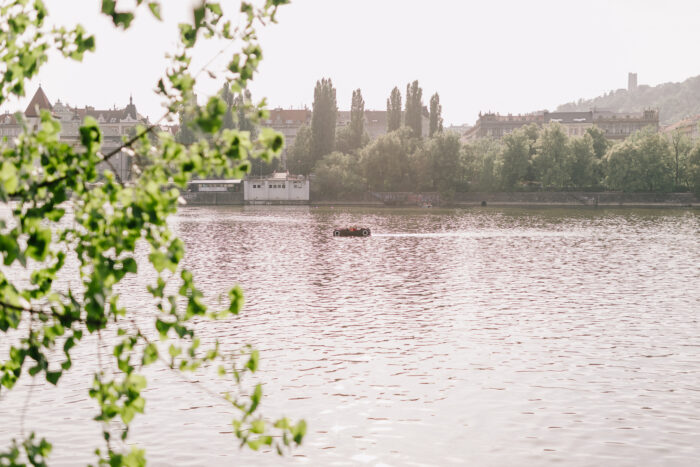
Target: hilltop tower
{"points": [[631, 82]]}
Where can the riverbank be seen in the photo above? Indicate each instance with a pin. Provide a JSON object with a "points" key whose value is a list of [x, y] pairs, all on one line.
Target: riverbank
{"points": [[543, 199]]}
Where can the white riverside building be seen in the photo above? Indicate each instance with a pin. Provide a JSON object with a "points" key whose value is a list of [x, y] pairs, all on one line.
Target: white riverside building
{"points": [[277, 188]]}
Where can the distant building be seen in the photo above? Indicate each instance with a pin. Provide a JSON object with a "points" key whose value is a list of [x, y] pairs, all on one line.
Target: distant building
{"points": [[288, 122], [631, 82], [459, 129], [621, 125], [376, 121], [493, 125], [688, 127], [614, 125], [114, 123]]}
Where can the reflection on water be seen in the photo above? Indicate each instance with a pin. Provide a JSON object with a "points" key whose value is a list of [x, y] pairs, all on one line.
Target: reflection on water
{"points": [[483, 337]]}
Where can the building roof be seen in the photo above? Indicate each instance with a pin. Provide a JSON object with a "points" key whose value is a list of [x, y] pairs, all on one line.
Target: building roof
{"points": [[495, 117], [227, 181], [685, 123], [111, 115], [8, 119], [39, 102], [289, 116]]}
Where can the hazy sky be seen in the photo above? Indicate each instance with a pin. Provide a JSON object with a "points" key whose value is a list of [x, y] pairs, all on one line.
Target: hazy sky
{"points": [[508, 56]]}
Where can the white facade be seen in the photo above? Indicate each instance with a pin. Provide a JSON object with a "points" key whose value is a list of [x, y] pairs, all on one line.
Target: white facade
{"points": [[279, 188], [233, 185]]}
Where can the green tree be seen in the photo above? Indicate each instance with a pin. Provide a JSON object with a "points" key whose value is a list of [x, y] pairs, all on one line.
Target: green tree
{"points": [[582, 163], [515, 158], [435, 115], [65, 226], [393, 111], [414, 109], [242, 114], [229, 100], [481, 166], [357, 120], [601, 144], [693, 169], [435, 164], [337, 175], [385, 161], [345, 141], [552, 157], [299, 159], [681, 147], [643, 162], [186, 132], [323, 119], [443, 150]]}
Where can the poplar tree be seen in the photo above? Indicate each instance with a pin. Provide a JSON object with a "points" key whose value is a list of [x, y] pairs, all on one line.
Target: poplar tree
{"points": [[414, 108], [323, 120], [393, 110], [357, 119], [435, 115]]}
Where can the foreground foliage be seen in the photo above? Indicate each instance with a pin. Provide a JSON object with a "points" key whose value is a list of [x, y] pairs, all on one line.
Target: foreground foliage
{"points": [[44, 181]]}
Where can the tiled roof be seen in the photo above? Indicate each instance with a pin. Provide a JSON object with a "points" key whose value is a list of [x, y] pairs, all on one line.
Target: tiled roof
{"points": [[112, 115], [8, 119], [38, 102], [686, 122]]}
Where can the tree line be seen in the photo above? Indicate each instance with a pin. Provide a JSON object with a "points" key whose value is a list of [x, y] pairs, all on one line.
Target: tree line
{"points": [[344, 162]]}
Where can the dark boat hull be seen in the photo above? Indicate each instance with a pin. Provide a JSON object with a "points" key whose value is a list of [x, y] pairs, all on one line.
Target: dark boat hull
{"points": [[352, 232]]}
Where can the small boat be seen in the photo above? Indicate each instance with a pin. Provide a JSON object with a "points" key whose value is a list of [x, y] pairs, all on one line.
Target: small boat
{"points": [[352, 232]]}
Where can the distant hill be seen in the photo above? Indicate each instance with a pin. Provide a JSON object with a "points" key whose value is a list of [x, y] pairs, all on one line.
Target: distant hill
{"points": [[675, 101]]}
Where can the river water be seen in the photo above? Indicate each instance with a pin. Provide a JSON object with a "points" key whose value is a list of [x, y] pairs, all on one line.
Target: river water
{"points": [[480, 337]]}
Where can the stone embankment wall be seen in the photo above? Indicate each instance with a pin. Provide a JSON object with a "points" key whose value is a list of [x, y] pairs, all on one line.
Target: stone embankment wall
{"points": [[577, 199], [200, 198], [541, 198]]}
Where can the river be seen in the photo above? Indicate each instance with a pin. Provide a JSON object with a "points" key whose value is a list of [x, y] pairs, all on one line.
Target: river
{"points": [[480, 336]]}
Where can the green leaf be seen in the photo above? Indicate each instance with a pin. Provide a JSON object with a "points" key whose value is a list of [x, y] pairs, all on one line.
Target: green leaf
{"points": [[258, 426], [188, 34], [90, 135], [253, 361], [155, 9], [215, 8], [198, 14], [299, 431], [8, 177], [255, 398], [235, 296], [53, 376], [38, 244], [210, 118], [150, 354], [272, 139]]}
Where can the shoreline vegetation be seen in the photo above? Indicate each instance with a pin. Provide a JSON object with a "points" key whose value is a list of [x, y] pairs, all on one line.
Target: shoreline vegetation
{"points": [[344, 163]]}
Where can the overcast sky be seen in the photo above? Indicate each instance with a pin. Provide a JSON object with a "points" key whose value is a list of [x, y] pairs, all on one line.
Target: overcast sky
{"points": [[508, 56]]}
